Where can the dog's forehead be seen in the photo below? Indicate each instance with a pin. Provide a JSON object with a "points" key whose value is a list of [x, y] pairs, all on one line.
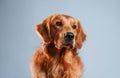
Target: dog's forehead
{"points": [[65, 18]]}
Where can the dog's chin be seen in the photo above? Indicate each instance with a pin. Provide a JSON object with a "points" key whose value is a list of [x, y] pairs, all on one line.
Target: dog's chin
{"points": [[68, 45]]}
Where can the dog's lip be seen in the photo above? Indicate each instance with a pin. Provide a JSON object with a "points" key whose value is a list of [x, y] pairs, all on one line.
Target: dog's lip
{"points": [[67, 43]]}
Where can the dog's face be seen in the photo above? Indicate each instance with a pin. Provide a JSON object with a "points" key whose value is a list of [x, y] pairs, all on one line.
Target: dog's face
{"points": [[62, 30]]}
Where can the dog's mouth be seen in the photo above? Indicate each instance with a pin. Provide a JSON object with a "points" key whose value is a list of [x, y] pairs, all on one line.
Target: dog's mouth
{"points": [[67, 44]]}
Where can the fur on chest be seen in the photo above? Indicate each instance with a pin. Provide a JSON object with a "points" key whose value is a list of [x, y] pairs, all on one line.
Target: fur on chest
{"points": [[63, 66]]}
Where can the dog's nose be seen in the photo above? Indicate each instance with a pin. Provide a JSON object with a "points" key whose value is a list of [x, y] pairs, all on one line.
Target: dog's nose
{"points": [[69, 36]]}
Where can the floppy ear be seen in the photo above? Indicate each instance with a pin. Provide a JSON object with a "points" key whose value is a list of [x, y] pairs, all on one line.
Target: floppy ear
{"points": [[81, 36], [43, 30]]}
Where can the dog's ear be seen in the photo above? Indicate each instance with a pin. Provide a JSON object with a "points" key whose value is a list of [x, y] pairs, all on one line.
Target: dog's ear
{"points": [[81, 36], [43, 30]]}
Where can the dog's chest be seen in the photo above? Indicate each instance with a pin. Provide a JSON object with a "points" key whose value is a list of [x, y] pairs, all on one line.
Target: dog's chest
{"points": [[61, 68]]}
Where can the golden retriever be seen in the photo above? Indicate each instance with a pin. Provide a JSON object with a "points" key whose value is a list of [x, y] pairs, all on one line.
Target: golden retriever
{"points": [[62, 35]]}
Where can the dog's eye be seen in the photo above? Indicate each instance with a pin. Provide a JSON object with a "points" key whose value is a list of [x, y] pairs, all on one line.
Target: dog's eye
{"points": [[74, 26], [59, 23]]}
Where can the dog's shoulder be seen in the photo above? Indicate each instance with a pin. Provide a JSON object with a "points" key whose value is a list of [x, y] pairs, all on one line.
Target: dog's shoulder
{"points": [[39, 57]]}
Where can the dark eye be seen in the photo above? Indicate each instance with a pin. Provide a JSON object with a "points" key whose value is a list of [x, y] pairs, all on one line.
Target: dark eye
{"points": [[59, 23], [74, 26]]}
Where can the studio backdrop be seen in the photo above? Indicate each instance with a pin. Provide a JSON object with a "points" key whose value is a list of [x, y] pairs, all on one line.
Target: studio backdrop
{"points": [[100, 20]]}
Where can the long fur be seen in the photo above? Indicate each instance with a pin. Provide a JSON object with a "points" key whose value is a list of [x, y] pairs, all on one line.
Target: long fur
{"points": [[49, 61]]}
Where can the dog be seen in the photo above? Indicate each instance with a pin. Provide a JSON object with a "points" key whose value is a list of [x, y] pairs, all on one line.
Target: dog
{"points": [[62, 35]]}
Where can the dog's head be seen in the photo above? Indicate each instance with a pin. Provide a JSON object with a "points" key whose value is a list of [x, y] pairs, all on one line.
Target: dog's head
{"points": [[62, 30]]}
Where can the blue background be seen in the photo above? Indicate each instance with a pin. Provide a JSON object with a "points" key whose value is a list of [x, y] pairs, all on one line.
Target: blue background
{"points": [[100, 20]]}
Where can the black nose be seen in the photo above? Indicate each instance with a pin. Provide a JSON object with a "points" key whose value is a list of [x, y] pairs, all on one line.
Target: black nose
{"points": [[69, 36]]}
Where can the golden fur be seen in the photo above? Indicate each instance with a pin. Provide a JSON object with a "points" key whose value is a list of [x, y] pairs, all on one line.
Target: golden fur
{"points": [[53, 59]]}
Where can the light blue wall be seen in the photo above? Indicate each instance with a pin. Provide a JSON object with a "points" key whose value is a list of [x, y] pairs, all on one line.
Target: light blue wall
{"points": [[100, 20]]}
